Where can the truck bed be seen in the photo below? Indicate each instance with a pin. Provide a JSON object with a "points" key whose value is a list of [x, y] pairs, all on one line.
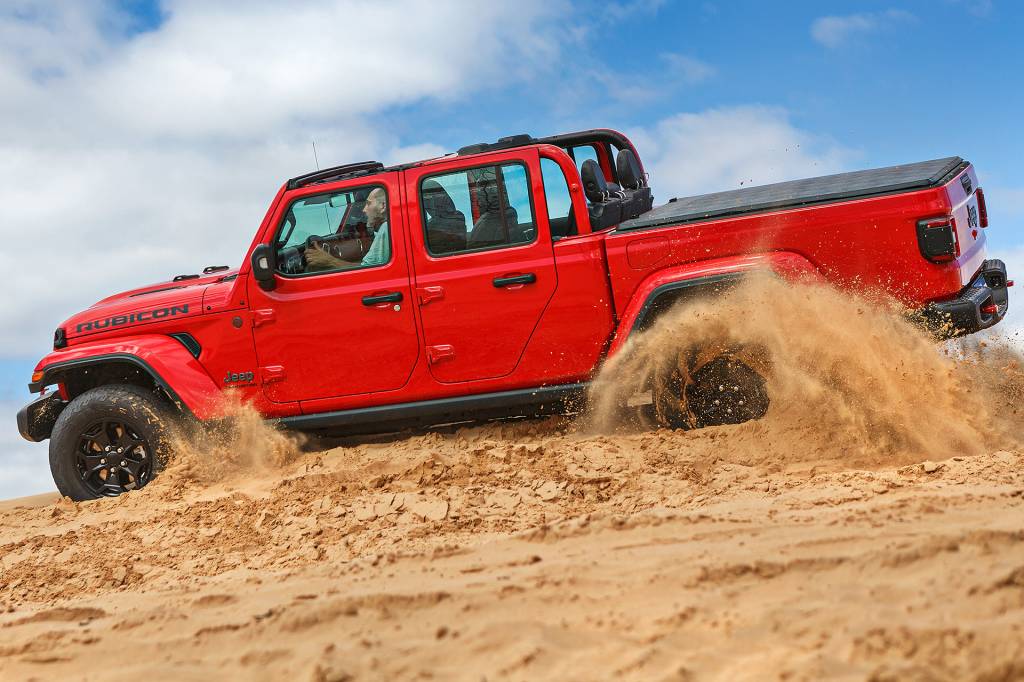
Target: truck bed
{"points": [[797, 193]]}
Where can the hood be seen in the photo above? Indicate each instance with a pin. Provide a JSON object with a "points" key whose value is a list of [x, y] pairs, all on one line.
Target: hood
{"points": [[152, 304]]}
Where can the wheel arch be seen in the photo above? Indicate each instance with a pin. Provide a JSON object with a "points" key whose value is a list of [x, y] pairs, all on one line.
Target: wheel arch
{"points": [[82, 374], [663, 289], [156, 362]]}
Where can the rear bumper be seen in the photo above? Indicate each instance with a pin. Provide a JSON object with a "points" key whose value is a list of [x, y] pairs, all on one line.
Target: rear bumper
{"points": [[36, 420], [979, 306]]}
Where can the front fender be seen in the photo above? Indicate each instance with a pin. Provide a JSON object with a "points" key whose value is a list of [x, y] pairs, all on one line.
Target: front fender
{"points": [[168, 362], [789, 265]]}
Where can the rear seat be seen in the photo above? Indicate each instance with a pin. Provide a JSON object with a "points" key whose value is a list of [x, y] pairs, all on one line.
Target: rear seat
{"points": [[637, 197], [611, 203]]}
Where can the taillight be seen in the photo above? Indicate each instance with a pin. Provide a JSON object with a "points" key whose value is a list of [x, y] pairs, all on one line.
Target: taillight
{"points": [[937, 240], [982, 208]]}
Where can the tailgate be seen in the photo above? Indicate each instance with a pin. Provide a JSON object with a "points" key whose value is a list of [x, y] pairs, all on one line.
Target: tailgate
{"points": [[967, 206]]}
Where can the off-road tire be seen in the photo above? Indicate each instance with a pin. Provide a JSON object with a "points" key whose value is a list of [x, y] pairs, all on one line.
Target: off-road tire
{"points": [[119, 415], [703, 387]]}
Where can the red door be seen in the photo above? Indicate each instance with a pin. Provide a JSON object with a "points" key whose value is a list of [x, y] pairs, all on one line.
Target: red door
{"points": [[484, 271], [348, 327]]}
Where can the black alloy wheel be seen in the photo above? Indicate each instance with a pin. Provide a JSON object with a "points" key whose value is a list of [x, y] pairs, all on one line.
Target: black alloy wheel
{"points": [[112, 458], [701, 387], [111, 440]]}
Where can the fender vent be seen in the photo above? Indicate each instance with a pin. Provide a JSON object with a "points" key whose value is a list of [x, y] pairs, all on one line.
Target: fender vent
{"points": [[189, 342]]}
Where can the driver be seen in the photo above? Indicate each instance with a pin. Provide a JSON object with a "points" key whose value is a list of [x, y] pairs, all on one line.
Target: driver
{"points": [[379, 253]]}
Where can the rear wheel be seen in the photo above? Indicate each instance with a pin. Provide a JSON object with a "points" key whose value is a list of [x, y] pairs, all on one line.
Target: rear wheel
{"points": [[711, 386], [108, 441]]}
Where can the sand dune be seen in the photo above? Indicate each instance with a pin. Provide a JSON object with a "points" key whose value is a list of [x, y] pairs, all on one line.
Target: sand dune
{"points": [[527, 553]]}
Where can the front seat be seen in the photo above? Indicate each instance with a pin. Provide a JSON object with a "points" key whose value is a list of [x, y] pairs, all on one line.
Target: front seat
{"points": [[446, 225]]}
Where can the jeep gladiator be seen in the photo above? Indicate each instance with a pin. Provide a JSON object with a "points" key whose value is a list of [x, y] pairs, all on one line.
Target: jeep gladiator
{"points": [[484, 284]]}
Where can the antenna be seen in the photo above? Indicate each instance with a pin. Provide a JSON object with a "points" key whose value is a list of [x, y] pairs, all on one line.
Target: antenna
{"points": [[315, 160]]}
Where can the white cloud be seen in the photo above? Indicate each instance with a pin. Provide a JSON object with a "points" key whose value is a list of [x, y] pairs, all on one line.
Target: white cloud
{"points": [[728, 148], [687, 69], [617, 11], [125, 159], [977, 8], [838, 31]]}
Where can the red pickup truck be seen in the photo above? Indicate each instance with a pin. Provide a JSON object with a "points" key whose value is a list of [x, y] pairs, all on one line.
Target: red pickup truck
{"points": [[482, 284]]}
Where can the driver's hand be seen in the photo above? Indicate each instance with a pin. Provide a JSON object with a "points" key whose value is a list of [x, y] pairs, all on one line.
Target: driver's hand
{"points": [[317, 257]]}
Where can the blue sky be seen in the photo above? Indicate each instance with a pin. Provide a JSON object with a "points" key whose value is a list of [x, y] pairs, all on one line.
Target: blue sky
{"points": [[164, 123]]}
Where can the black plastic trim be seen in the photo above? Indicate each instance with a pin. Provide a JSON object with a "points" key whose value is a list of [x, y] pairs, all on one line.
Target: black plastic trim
{"points": [[189, 342], [347, 170], [156, 291], [60, 338], [963, 314], [392, 297], [52, 372], [641, 322], [524, 402], [937, 244], [591, 136], [528, 278], [36, 419]]}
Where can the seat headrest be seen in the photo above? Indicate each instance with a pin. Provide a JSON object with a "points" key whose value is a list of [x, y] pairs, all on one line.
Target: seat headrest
{"points": [[628, 169], [436, 200], [594, 184]]}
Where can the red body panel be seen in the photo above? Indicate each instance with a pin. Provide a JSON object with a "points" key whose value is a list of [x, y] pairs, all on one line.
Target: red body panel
{"points": [[867, 244], [311, 345], [187, 376]]}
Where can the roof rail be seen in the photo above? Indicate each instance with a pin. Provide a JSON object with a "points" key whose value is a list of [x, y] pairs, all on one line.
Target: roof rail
{"points": [[336, 173]]}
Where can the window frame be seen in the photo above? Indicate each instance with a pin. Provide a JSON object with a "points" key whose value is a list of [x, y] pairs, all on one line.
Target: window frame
{"points": [[338, 190], [462, 169]]}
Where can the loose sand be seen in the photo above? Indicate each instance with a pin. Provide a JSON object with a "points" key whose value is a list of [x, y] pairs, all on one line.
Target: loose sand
{"points": [[836, 538]]}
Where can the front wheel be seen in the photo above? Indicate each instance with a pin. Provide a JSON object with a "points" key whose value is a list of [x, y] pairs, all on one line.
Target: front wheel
{"points": [[109, 440]]}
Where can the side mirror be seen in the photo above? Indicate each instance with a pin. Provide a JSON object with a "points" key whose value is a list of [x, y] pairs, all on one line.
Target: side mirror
{"points": [[263, 267]]}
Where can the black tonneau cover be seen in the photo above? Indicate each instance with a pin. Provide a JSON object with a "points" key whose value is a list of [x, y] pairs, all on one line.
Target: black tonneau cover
{"points": [[796, 193]]}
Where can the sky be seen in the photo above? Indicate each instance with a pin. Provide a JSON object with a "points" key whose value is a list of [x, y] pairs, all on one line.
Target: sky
{"points": [[139, 140]]}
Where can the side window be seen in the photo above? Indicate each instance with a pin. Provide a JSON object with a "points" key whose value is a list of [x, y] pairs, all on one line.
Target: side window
{"points": [[340, 231], [488, 207], [584, 153], [556, 192]]}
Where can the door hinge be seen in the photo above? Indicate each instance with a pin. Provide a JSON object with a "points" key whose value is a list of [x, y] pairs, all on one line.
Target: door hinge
{"points": [[262, 317], [272, 373], [428, 294], [436, 354]]}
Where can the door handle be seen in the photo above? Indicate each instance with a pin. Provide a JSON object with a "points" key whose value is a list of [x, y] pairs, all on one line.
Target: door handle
{"points": [[512, 280], [393, 297]]}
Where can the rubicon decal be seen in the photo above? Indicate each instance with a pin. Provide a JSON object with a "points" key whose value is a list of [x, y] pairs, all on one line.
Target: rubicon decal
{"points": [[132, 318]]}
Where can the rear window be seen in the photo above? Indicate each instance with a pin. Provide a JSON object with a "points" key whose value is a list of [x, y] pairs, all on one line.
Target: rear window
{"points": [[487, 207]]}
